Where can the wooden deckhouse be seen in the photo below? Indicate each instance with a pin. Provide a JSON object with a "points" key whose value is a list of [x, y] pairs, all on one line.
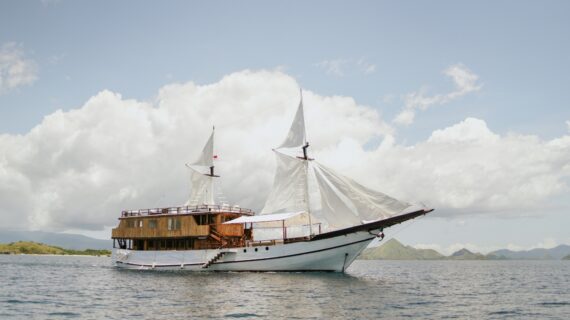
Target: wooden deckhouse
{"points": [[182, 228]]}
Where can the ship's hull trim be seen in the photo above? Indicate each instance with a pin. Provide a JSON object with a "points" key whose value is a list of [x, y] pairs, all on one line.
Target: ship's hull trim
{"points": [[331, 254]]}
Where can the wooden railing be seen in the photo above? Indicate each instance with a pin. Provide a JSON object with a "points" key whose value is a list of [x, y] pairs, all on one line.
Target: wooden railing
{"points": [[201, 209]]}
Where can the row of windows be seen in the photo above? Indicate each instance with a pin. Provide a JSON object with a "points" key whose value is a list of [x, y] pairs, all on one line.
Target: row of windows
{"points": [[173, 223], [156, 244], [164, 244], [204, 219]]}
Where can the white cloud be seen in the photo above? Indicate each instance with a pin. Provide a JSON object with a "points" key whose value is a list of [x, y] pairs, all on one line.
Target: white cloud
{"points": [[333, 67], [78, 169], [366, 67], [15, 69], [340, 67], [464, 80]]}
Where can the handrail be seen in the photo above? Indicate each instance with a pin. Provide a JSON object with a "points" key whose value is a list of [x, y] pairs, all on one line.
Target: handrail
{"points": [[199, 209]]}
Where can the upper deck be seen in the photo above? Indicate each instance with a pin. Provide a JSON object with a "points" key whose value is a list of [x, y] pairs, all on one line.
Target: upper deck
{"points": [[188, 227], [193, 210]]}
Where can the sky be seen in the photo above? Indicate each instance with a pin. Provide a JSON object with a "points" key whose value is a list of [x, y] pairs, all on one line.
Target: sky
{"points": [[461, 106]]}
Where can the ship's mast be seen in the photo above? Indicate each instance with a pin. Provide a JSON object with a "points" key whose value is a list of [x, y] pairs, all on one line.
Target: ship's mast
{"points": [[306, 160], [307, 202]]}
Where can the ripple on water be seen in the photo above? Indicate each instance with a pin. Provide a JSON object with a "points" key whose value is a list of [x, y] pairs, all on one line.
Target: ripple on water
{"points": [[240, 315], [88, 288]]}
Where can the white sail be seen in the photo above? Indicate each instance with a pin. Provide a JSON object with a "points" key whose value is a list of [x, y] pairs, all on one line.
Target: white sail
{"points": [[207, 156], [202, 181], [296, 136], [287, 194], [337, 202], [345, 202]]}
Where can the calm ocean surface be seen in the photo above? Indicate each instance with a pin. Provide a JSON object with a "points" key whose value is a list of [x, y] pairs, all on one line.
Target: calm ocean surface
{"points": [[52, 287]]}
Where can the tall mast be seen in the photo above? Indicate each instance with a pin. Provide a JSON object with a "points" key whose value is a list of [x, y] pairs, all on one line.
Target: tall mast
{"points": [[307, 202], [306, 160]]}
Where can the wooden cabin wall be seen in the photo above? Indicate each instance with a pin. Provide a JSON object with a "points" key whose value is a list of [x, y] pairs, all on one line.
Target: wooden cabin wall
{"points": [[188, 227]]}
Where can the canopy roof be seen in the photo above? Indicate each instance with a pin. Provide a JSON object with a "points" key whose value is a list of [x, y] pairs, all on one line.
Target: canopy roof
{"points": [[264, 218]]}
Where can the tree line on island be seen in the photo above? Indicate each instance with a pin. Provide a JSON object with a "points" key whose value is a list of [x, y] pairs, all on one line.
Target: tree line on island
{"points": [[30, 247], [394, 250]]}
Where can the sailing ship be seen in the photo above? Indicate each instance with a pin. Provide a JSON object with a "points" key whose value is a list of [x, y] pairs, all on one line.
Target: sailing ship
{"points": [[314, 219]]}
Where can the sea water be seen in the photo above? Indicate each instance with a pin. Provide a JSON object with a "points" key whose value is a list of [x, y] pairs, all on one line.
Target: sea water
{"points": [[61, 287]]}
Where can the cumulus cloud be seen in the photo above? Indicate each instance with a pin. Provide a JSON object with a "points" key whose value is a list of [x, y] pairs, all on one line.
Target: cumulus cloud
{"points": [[467, 168], [464, 80], [340, 67], [77, 169], [15, 69]]}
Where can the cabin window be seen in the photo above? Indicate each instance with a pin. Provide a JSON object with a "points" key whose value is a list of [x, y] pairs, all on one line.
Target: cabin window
{"points": [[189, 243], [174, 224], [201, 219], [152, 224], [131, 223], [140, 223], [211, 219]]}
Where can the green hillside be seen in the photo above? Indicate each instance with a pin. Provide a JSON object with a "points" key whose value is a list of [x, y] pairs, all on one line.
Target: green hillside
{"points": [[29, 247], [394, 250], [465, 254], [566, 258]]}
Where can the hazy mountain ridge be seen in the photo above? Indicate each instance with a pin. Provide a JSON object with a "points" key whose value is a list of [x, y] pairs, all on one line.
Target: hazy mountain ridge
{"points": [[394, 250], [556, 253], [465, 254], [63, 240]]}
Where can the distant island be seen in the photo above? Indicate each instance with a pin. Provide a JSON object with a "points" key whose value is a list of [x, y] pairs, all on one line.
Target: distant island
{"points": [[62, 240], [30, 247], [394, 250]]}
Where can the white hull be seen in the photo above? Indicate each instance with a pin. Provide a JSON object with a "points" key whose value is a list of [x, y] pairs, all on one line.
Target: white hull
{"points": [[330, 254]]}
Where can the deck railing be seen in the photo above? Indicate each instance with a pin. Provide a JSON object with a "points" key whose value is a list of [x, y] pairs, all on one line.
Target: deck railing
{"points": [[200, 209]]}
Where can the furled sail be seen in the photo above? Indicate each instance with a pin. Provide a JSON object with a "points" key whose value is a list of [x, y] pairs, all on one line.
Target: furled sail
{"points": [[338, 201], [202, 178]]}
